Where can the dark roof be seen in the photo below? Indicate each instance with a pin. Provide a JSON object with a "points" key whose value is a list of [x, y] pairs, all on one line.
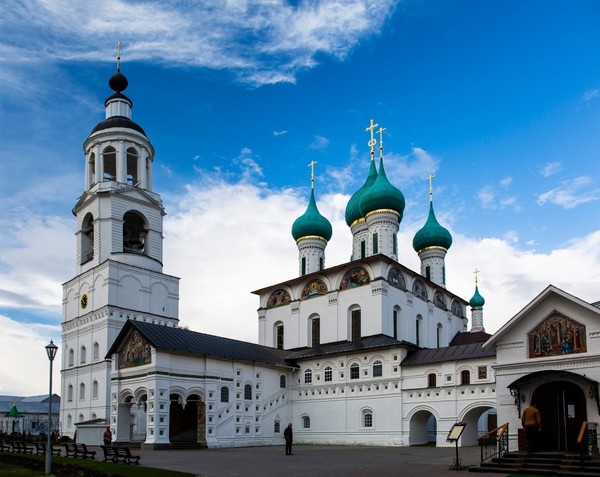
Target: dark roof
{"points": [[447, 353], [179, 340], [118, 122], [462, 338], [341, 347]]}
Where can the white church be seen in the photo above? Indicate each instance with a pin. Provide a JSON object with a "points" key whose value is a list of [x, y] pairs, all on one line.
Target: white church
{"points": [[366, 352]]}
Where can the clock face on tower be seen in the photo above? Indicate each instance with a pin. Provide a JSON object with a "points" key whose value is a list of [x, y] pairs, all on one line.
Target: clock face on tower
{"points": [[84, 301]]}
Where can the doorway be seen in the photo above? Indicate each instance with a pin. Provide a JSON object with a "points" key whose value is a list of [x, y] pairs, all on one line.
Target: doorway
{"points": [[562, 407]]}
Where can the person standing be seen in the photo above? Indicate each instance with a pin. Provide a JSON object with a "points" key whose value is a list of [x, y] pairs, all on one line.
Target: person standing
{"points": [[532, 423], [107, 436], [288, 435]]}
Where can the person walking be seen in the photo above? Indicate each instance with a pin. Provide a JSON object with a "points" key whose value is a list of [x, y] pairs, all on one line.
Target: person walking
{"points": [[532, 423], [107, 438], [288, 435]]}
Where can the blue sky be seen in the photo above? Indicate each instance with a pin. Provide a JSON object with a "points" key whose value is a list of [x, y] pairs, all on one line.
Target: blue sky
{"points": [[500, 101]]}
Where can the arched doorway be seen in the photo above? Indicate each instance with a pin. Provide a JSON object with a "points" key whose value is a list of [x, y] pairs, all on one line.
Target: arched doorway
{"points": [[423, 428], [187, 423], [480, 420], [562, 405]]}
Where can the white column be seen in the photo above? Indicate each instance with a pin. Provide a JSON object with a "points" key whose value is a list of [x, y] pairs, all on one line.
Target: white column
{"points": [[121, 163], [141, 169], [99, 164]]}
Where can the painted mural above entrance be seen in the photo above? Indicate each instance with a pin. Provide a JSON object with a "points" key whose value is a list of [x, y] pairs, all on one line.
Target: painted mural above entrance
{"points": [[356, 277], [135, 351], [555, 336], [279, 297], [314, 288]]}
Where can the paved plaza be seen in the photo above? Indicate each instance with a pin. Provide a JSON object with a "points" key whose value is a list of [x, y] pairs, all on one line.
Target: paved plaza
{"points": [[317, 461]]}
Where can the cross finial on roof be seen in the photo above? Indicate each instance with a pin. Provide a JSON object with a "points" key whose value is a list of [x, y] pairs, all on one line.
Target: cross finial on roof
{"points": [[312, 174], [372, 141]]}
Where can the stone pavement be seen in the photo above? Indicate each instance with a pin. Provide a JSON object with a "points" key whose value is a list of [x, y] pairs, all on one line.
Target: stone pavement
{"points": [[317, 461]]}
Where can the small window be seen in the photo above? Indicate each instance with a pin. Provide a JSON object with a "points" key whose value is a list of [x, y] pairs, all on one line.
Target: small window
{"points": [[363, 249], [82, 357], [377, 369], [224, 394], [306, 422], [465, 377], [355, 331], [71, 357], [303, 266], [431, 380], [308, 376], [282, 382], [70, 392], [248, 392], [367, 418], [95, 389], [328, 374], [277, 427], [81, 392], [375, 243], [96, 352], [354, 371], [316, 332]]}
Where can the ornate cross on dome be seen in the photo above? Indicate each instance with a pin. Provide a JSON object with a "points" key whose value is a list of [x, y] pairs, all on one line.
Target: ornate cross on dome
{"points": [[312, 174], [476, 273], [372, 141], [380, 132], [119, 43], [430, 179]]}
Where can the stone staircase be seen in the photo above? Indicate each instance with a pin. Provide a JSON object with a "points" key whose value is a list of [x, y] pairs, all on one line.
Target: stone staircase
{"points": [[542, 463]]}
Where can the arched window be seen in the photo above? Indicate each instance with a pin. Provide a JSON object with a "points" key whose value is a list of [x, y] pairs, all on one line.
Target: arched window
{"points": [[82, 354], [354, 371], [95, 389], [248, 392], [87, 238], [81, 417], [93, 415], [96, 351], [282, 380], [70, 393], [81, 392], [418, 330], [355, 317], [328, 374], [465, 377], [224, 394], [132, 167], [276, 427], [438, 335], [396, 321], [71, 357], [109, 159], [377, 369], [367, 418], [305, 422], [134, 233], [431, 380], [69, 421], [308, 376], [316, 332], [279, 336]]}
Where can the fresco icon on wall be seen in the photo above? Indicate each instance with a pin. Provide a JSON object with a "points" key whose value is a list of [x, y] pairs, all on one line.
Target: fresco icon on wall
{"points": [[279, 297], [557, 335], [357, 277], [135, 351], [314, 288]]}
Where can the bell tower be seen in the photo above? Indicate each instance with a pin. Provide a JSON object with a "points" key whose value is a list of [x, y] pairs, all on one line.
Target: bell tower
{"points": [[119, 255]]}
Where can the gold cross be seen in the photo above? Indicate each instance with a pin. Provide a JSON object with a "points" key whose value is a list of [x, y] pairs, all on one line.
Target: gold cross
{"points": [[429, 178], [312, 174], [372, 141], [476, 273], [119, 43], [380, 131]]}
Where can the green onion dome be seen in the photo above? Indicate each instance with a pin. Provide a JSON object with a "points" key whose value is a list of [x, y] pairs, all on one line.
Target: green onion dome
{"points": [[432, 234], [312, 222], [382, 195], [477, 301], [353, 207]]}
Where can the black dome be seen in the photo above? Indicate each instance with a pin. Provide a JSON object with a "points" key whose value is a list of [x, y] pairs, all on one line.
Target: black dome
{"points": [[118, 82], [118, 122]]}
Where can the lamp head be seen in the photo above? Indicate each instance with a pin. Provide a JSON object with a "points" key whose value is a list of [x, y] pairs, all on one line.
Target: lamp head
{"points": [[51, 350]]}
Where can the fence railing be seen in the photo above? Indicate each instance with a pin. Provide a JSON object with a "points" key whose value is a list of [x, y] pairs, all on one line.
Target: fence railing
{"points": [[587, 440], [494, 443]]}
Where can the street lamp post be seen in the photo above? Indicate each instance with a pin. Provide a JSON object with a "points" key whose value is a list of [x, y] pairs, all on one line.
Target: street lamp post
{"points": [[51, 351]]}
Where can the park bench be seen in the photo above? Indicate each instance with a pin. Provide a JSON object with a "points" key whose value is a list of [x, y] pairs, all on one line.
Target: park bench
{"points": [[83, 451], [21, 448], [109, 453], [40, 449], [4, 447], [71, 450], [123, 454]]}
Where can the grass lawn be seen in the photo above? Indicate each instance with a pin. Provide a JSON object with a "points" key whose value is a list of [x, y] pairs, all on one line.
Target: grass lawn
{"points": [[107, 468]]}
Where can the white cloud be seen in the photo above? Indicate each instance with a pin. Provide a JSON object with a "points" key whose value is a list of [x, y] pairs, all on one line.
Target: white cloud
{"points": [[571, 193], [260, 42], [490, 198], [280, 133], [591, 94], [506, 182], [550, 169], [319, 142]]}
